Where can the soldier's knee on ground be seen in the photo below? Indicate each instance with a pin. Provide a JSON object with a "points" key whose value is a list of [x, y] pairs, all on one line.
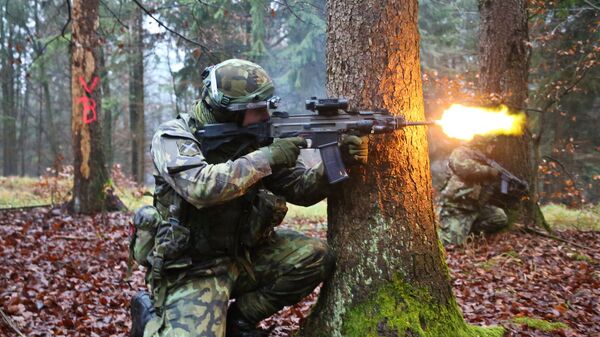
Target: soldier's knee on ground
{"points": [[490, 220], [454, 228], [322, 258], [300, 263], [313, 265]]}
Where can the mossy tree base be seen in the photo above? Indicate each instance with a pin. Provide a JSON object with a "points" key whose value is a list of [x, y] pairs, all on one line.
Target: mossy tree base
{"points": [[398, 310]]}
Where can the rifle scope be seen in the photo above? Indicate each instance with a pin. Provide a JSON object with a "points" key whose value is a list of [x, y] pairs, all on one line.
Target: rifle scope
{"points": [[326, 106]]}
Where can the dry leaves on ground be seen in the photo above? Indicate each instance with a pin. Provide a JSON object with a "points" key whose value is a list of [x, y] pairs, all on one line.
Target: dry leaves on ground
{"points": [[64, 276]]}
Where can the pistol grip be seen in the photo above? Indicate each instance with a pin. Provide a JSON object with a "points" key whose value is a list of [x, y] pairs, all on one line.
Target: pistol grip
{"points": [[332, 160]]}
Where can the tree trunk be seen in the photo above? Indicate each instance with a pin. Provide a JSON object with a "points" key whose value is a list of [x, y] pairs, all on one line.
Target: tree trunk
{"points": [[136, 98], [9, 134], [50, 124], [504, 64], [390, 278], [90, 172], [40, 125], [24, 131], [107, 116]]}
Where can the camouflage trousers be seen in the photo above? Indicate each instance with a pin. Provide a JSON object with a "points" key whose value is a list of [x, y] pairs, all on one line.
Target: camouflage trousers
{"points": [[456, 223], [282, 272]]}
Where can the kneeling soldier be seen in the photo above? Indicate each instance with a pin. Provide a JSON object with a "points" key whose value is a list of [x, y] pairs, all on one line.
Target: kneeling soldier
{"points": [[465, 205], [216, 238]]}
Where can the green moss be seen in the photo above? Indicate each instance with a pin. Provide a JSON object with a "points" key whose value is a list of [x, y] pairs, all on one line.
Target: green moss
{"points": [[513, 254], [397, 309], [563, 217], [488, 264], [540, 324], [582, 257]]}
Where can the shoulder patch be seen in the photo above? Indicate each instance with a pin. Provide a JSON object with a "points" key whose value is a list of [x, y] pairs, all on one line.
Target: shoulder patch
{"points": [[187, 148]]}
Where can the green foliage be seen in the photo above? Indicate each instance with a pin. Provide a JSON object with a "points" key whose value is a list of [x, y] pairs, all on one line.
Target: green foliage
{"points": [[540, 324], [562, 217], [287, 39], [314, 212], [26, 191], [449, 35]]}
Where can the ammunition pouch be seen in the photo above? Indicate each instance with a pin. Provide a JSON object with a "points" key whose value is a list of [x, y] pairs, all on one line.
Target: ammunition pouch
{"points": [[146, 221], [171, 251], [266, 212]]}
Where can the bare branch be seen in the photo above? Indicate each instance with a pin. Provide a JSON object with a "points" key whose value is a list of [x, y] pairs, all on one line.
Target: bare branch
{"points": [[11, 323], [64, 28], [114, 14], [592, 4], [204, 48]]}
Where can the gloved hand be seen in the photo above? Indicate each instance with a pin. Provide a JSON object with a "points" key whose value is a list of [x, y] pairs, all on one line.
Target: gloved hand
{"points": [[284, 152], [494, 172], [356, 148]]}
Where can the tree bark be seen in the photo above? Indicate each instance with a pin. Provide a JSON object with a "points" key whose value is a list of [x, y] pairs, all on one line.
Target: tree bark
{"points": [[91, 175], [504, 63], [107, 116], [390, 278], [9, 134], [136, 97], [40, 125], [24, 129], [50, 123]]}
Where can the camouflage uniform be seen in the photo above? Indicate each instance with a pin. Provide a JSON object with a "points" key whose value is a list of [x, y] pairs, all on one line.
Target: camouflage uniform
{"points": [[228, 247], [464, 200]]}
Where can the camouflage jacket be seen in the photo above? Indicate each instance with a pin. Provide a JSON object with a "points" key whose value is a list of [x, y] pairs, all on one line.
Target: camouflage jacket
{"points": [[224, 193], [470, 183]]}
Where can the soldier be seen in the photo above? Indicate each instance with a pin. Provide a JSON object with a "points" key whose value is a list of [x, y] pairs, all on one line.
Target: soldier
{"points": [[465, 199], [215, 215]]}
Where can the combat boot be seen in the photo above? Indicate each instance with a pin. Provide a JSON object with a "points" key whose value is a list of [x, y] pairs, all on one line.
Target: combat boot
{"points": [[142, 311], [239, 326]]}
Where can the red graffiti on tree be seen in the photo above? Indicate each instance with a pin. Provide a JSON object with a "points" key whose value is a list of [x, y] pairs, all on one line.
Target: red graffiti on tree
{"points": [[89, 104]]}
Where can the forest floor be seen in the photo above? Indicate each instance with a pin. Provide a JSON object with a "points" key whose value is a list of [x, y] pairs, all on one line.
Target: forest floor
{"points": [[65, 276]]}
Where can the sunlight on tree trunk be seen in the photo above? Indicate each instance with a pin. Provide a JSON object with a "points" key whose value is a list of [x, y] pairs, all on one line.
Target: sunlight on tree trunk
{"points": [[390, 278]]}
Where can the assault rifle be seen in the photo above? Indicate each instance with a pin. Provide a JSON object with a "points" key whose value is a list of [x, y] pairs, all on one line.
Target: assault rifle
{"points": [[510, 185], [330, 118]]}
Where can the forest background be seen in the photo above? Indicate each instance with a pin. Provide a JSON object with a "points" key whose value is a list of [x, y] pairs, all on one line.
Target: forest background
{"points": [[147, 59], [153, 54]]}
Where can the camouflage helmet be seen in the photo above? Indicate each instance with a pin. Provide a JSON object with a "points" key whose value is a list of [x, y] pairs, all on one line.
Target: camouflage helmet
{"points": [[233, 86]]}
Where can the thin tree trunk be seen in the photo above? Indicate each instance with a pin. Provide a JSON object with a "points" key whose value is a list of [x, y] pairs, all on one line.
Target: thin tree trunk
{"points": [[91, 175], [390, 278], [40, 125], [9, 109], [40, 116], [107, 116], [50, 124], [504, 62], [17, 108], [24, 128], [136, 98]]}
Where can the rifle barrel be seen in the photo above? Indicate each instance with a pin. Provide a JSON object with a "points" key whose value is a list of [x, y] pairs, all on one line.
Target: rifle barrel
{"points": [[419, 123]]}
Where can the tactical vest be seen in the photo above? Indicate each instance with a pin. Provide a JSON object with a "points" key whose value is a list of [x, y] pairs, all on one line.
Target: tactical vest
{"points": [[231, 228]]}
